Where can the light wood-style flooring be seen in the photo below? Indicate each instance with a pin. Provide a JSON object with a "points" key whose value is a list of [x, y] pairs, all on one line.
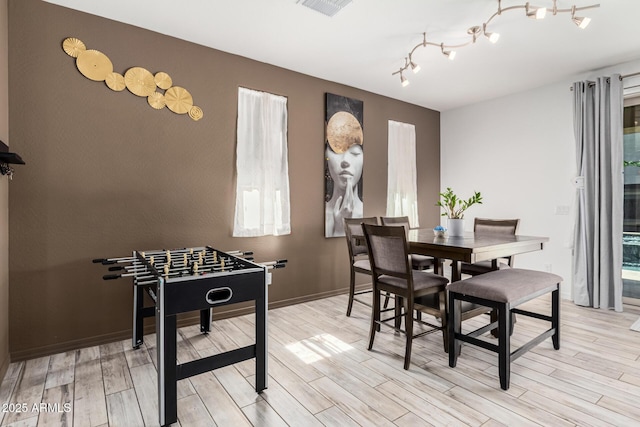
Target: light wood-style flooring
{"points": [[322, 374]]}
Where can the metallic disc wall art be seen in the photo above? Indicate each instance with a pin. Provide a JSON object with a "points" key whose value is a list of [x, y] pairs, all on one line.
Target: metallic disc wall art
{"points": [[163, 80], [94, 65], [179, 100], [139, 81], [72, 46], [196, 113], [156, 100], [115, 81]]}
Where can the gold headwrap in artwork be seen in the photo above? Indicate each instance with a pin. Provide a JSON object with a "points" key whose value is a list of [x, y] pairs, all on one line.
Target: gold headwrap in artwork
{"points": [[343, 131]]}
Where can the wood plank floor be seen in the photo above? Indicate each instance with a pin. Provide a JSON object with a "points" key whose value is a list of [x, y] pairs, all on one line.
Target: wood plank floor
{"points": [[322, 374]]}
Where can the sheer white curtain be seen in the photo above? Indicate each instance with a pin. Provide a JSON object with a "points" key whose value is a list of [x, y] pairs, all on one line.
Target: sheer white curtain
{"points": [[597, 258], [402, 188], [262, 183]]}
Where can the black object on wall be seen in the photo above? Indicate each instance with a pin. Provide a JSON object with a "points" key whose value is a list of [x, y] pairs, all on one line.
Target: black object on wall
{"points": [[6, 157]]}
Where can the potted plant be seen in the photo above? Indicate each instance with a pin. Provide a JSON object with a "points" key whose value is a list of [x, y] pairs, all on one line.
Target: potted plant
{"points": [[454, 208]]}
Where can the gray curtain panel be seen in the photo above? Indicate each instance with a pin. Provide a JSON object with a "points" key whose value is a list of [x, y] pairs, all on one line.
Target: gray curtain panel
{"points": [[597, 257]]}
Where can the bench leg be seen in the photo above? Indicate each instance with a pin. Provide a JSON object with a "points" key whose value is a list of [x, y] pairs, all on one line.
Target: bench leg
{"points": [[555, 318], [504, 345]]}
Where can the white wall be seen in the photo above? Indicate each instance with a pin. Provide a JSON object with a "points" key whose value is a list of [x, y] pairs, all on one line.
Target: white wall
{"points": [[519, 151]]}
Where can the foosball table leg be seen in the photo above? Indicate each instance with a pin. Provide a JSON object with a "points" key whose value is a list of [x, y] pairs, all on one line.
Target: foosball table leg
{"points": [[167, 375], [138, 317], [205, 321], [261, 341]]}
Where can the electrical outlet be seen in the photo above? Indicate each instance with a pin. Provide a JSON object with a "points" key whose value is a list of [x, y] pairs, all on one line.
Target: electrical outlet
{"points": [[547, 268], [562, 210]]}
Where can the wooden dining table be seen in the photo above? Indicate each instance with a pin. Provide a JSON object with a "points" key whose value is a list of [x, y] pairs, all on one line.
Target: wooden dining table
{"points": [[471, 247]]}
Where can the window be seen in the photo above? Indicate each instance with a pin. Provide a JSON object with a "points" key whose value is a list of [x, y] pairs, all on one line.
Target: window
{"points": [[631, 230], [402, 188], [262, 184]]}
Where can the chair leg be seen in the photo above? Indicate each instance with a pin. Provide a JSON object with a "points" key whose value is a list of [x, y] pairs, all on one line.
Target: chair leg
{"points": [[398, 312], [352, 290], [375, 316], [504, 345], [408, 326], [555, 318], [442, 301], [454, 327], [386, 300]]}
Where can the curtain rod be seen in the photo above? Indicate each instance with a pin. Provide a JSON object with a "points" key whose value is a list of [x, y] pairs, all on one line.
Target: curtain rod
{"points": [[621, 78]]}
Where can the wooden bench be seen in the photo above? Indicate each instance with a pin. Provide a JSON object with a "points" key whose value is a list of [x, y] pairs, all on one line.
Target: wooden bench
{"points": [[503, 291]]}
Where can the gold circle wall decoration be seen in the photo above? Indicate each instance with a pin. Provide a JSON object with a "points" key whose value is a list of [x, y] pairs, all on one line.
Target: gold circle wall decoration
{"points": [[179, 100], [156, 100], [73, 46], [94, 65], [195, 113], [139, 81], [163, 80], [115, 81]]}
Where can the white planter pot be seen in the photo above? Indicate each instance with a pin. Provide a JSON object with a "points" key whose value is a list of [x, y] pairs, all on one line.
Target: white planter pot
{"points": [[455, 227]]}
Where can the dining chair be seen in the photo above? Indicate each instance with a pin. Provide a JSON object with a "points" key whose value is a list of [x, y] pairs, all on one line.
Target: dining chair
{"points": [[418, 262], [358, 256], [491, 227], [392, 273]]}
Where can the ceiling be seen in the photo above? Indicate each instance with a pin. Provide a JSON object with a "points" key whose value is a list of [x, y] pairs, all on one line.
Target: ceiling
{"points": [[362, 45]]}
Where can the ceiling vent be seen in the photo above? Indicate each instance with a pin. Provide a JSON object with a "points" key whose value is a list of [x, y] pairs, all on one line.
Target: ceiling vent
{"points": [[326, 7]]}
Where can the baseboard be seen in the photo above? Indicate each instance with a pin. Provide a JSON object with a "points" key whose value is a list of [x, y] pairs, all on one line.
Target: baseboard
{"points": [[4, 366], [188, 320]]}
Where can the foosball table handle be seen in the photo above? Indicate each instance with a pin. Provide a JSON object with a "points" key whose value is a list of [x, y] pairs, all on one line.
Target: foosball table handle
{"points": [[219, 295]]}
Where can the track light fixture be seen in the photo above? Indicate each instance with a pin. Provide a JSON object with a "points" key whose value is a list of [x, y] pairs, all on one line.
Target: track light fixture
{"points": [[403, 80], [451, 54], [414, 67], [476, 31], [535, 12], [580, 21]]}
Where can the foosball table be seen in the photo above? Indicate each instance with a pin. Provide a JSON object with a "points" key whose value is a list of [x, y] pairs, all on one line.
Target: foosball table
{"points": [[194, 279]]}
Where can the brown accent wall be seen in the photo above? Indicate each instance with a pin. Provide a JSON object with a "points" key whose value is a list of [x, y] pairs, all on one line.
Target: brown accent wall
{"points": [[107, 174], [4, 193]]}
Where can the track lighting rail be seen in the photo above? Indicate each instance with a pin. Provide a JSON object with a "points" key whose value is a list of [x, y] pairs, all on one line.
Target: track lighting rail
{"points": [[474, 32]]}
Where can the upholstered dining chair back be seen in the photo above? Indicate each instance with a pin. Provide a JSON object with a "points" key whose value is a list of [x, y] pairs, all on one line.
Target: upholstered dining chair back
{"points": [[388, 251], [402, 221], [495, 226], [418, 262], [355, 236], [489, 226]]}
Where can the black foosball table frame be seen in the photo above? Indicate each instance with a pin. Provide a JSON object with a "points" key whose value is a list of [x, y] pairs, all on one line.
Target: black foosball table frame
{"points": [[176, 290]]}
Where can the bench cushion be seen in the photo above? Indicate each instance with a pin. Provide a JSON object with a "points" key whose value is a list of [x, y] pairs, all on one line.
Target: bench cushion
{"points": [[509, 285]]}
